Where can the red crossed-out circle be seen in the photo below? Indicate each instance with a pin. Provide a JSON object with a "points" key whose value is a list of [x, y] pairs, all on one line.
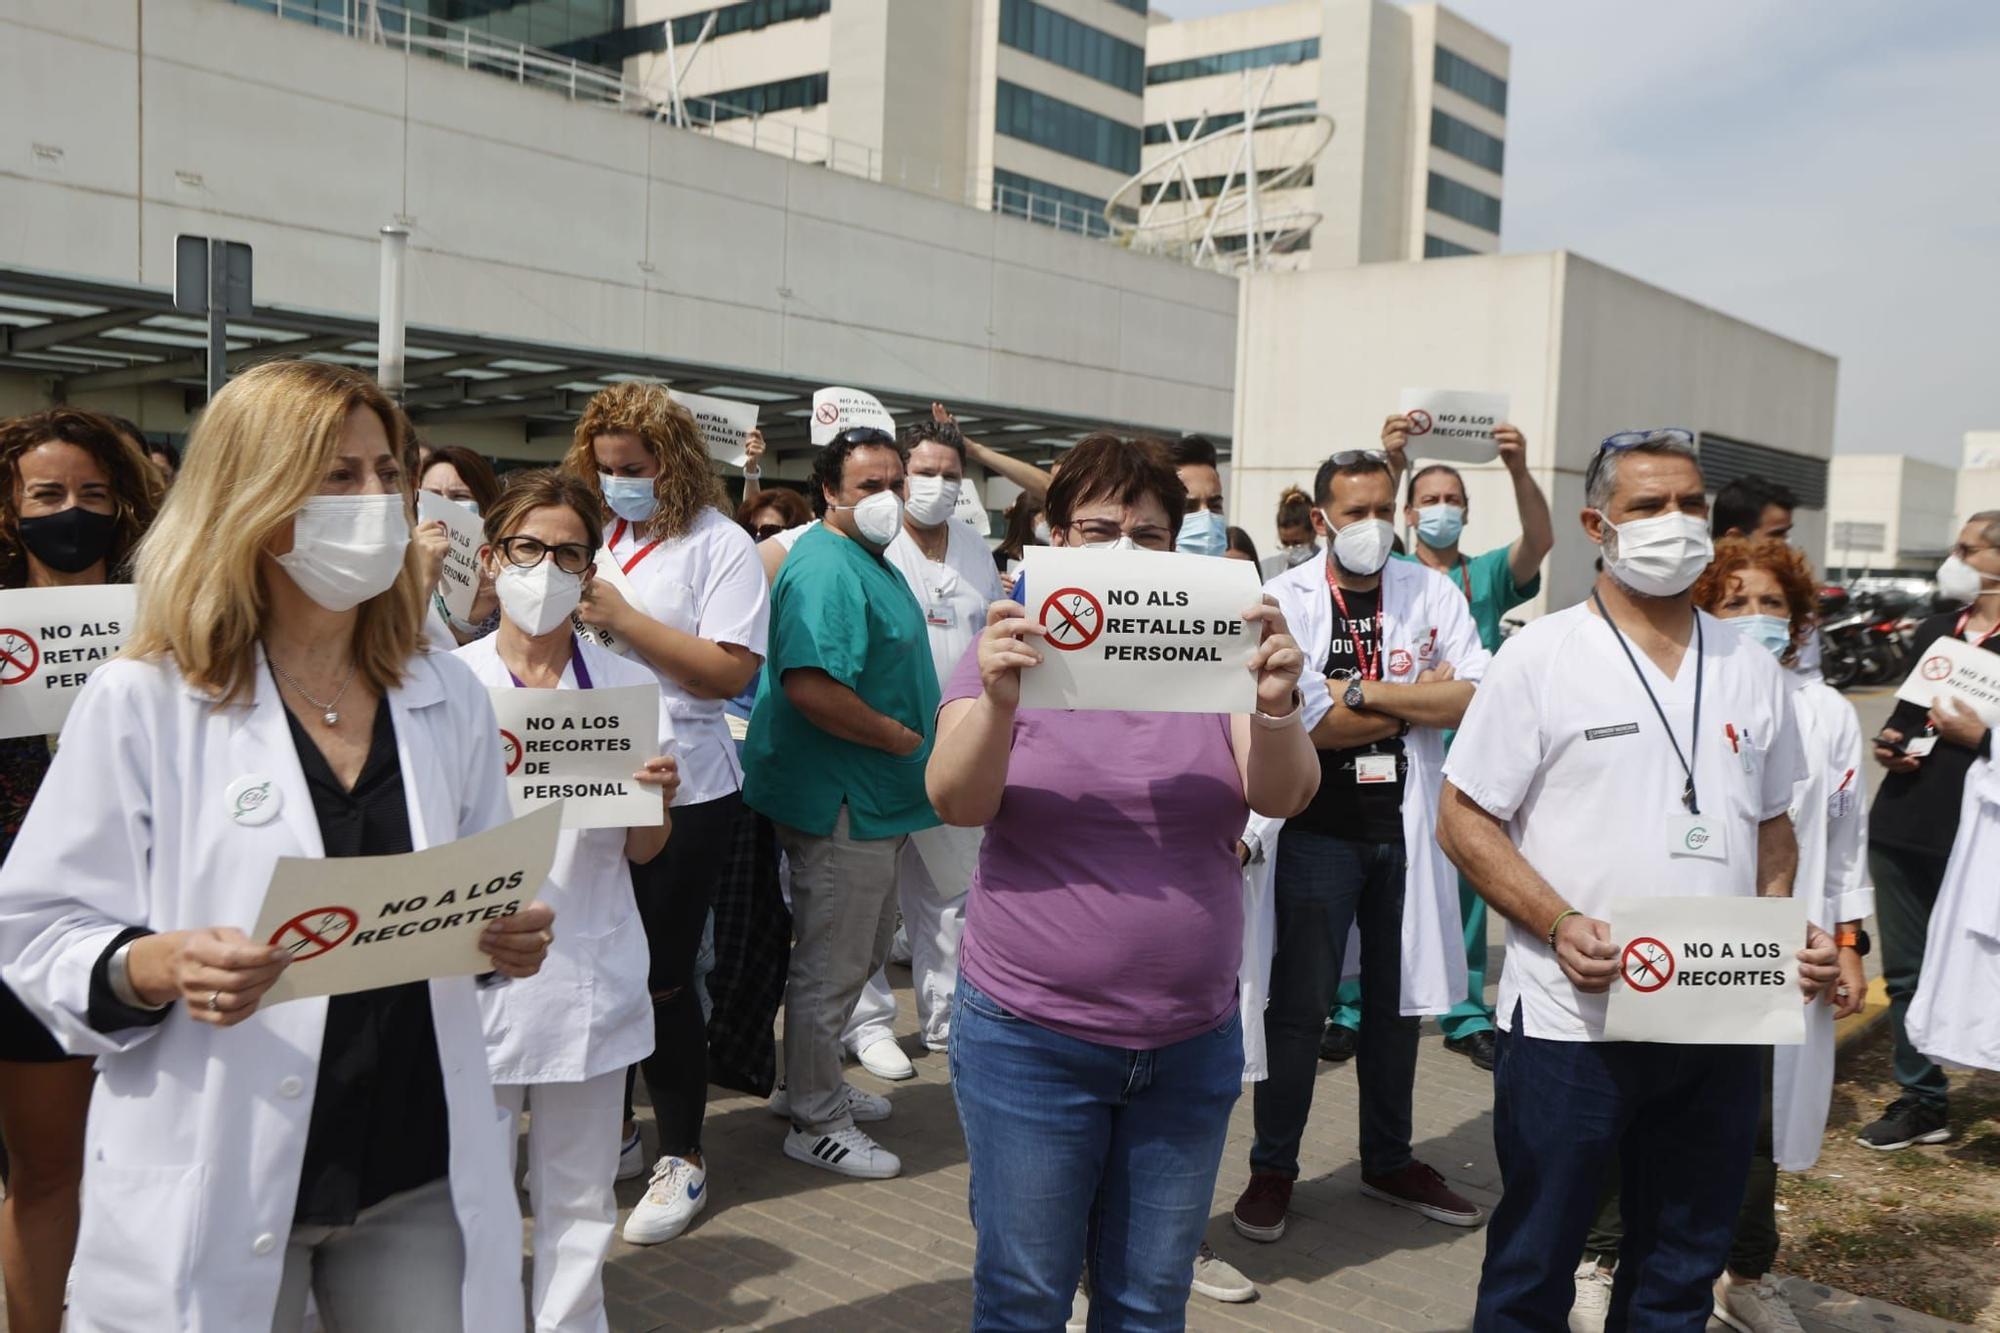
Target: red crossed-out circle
{"points": [[19, 656], [827, 413], [1399, 662], [1648, 965], [1073, 619], [1937, 668], [1420, 421], [510, 750], [310, 934]]}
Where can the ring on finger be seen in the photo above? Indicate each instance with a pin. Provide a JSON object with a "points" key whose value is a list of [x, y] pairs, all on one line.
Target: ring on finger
{"points": [[215, 1002]]}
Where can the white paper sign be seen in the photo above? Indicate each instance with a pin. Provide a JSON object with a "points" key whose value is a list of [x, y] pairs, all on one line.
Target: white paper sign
{"points": [[459, 581], [611, 572], [725, 424], [836, 410], [51, 639], [354, 923], [1954, 669], [1721, 971], [581, 747], [1453, 425], [970, 511], [1140, 631]]}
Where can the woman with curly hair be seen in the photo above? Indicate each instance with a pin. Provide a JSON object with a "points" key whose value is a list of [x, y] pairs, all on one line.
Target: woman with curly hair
{"points": [[702, 611]]}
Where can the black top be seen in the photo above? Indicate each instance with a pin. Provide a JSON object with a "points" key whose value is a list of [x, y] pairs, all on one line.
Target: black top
{"points": [[1343, 808], [1918, 812]]}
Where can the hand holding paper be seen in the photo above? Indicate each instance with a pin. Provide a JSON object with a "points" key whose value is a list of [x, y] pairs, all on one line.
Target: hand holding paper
{"points": [[1277, 662], [517, 944], [1585, 951], [1004, 651]]}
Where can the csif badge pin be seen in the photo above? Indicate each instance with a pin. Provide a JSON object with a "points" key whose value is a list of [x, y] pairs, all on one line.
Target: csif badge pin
{"points": [[253, 799]]}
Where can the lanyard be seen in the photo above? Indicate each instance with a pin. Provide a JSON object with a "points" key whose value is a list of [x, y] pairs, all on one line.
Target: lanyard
{"points": [[1694, 737], [1465, 576], [1369, 663], [575, 660], [1964, 619], [618, 534]]}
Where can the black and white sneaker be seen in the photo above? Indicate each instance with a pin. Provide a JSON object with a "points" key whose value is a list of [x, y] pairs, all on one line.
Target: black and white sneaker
{"points": [[846, 1152], [1908, 1121]]}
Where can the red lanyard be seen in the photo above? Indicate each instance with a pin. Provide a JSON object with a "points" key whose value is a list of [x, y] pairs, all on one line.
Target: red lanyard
{"points": [[618, 535], [1370, 663], [1465, 576], [1964, 619]]}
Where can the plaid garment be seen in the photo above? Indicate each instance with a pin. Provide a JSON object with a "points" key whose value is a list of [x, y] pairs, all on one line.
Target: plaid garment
{"points": [[753, 945]]}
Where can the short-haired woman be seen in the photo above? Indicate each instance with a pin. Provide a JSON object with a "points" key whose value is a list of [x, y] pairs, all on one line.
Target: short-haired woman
{"points": [[75, 497], [770, 512], [703, 610], [271, 702], [560, 1043], [1096, 1049]]}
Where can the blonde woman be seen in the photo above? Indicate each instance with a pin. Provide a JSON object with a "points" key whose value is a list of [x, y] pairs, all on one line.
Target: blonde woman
{"points": [[237, 1157], [699, 622]]}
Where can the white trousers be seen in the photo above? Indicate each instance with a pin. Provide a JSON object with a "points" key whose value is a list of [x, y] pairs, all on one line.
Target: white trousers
{"points": [[573, 1142], [935, 872]]}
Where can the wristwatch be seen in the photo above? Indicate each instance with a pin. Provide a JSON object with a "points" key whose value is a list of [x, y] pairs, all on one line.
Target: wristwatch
{"points": [[1353, 696], [1856, 939]]}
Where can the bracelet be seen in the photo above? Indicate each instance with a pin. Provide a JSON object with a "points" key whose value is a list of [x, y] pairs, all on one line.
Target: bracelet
{"points": [[1556, 924], [118, 971], [1270, 723]]}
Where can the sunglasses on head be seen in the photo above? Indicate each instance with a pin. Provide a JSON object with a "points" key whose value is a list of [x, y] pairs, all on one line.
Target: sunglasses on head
{"points": [[863, 435], [1356, 457], [1637, 439], [763, 532]]}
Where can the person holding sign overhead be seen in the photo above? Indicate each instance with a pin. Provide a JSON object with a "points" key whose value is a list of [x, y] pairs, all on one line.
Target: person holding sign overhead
{"points": [[453, 472], [1096, 1032], [700, 625], [271, 703], [1630, 746], [75, 497]]}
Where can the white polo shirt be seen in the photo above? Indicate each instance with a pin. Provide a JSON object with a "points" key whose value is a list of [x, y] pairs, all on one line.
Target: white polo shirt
{"points": [[709, 583], [1561, 743], [954, 592]]}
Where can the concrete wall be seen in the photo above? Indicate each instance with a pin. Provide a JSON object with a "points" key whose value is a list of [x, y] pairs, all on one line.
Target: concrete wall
{"points": [[1979, 474], [1915, 502]]}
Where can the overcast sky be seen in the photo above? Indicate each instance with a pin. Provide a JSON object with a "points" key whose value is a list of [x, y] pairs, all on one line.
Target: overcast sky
{"points": [[1829, 169]]}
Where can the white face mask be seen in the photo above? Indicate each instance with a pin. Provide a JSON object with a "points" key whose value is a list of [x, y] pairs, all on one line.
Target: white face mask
{"points": [[1363, 546], [1960, 582], [878, 518], [931, 500], [1658, 557], [538, 599], [1042, 531], [1123, 543], [347, 548]]}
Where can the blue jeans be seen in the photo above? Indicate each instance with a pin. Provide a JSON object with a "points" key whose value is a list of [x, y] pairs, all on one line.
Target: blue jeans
{"points": [[1323, 886], [1080, 1151], [1678, 1122]]}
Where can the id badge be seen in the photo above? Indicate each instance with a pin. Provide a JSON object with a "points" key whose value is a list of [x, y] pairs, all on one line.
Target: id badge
{"points": [[942, 615], [1920, 746], [1374, 768], [1697, 836], [1841, 804]]}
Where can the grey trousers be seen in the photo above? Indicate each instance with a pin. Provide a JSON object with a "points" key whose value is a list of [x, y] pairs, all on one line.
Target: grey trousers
{"points": [[401, 1265], [843, 917]]}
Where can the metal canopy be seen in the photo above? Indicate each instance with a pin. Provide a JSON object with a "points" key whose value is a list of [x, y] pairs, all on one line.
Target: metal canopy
{"points": [[83, 336]]}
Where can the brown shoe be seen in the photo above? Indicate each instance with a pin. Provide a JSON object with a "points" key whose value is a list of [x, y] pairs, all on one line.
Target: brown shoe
{"points": [[1260, 1213], [1421, 1190]]}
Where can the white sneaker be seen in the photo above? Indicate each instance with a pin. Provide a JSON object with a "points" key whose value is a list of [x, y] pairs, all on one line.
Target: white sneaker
{"points": [[885, 1060], [1079, 1312], [678, 1191], [1593, 1298], [1220, 1280], [631, 1157], [847, 1152], [864, 1107], [899, 946], [1754, 1305]]}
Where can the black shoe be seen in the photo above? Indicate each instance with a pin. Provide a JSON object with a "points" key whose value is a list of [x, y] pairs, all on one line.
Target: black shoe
{"points": [[1336, 1045], [1477, 1048], [1907, 1121]]}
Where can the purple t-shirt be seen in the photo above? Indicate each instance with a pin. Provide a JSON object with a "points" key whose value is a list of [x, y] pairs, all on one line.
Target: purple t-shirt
{"points": [[1108, 904]]}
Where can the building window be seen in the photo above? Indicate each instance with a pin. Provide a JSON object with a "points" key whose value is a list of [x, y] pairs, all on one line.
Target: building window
{"points": [[1474, 145], [1468, 205], [746, 17], [1724, 460], [1437, 247], [1136, 6], [1231, 62], [1460, 75], [1053, 205], [1022, 113], [807, 90], [1275, 117], [1061, 40], [1208, 187], [1236, 243]]}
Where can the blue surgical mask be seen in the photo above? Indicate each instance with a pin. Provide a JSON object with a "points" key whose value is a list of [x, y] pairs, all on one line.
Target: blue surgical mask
{"points": [[1202, 533], [631, 498], [470, 505], [1438, 526], [1773, 632]]}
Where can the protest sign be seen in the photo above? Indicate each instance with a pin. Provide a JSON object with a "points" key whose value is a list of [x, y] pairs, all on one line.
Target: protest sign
{"points": [[51, 639], [836, 410], [609, 570], [1722, 971], [1954, 669], [1141, 631], [354, 923], [970, 511], [459, 581], [1453, 425], [581, 747], [725, 424]]}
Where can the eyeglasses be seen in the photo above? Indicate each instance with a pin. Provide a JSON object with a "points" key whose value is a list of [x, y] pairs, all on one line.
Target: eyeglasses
{"points": [[763, 532], [863, 435], [1636, 439], [1356, 457], [527, 552]]}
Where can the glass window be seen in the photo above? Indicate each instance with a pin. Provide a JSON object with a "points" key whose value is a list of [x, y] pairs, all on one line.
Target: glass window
{"points": [[1437, 247], [1231, 62], [1060, 39], [1460, 75], [1274, 118], [807, 90], [747, 17], [1053, 205], [1462, 140], [1207, 187], [1022, 113], [1136, 6], [1456, 200], [1236, 243]]}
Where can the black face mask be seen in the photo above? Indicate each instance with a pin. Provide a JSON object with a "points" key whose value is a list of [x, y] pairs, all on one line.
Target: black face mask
{"points": [[71, 540]]}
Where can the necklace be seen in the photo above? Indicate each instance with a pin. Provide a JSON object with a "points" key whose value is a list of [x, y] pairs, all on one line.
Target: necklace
{"points": [[329, 709]]}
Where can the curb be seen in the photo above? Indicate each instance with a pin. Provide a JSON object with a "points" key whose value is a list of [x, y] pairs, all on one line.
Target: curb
{"points": [[1823, 1307], [1873, 1012]]}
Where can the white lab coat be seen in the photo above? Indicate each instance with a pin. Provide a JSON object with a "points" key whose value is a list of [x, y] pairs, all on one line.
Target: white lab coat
{"points": [[1427, 624], [197, 1133], [1260, 942], [1830, 819], [1953, 1017]]}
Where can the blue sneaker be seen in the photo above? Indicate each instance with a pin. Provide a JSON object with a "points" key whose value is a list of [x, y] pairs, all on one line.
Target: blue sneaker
{"points": [[678, 1191]]}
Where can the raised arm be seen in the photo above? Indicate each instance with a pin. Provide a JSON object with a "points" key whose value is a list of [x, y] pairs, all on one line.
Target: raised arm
{"points": [[1538, 533], [1275, 755], [967, 774], [1017, 470]]}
